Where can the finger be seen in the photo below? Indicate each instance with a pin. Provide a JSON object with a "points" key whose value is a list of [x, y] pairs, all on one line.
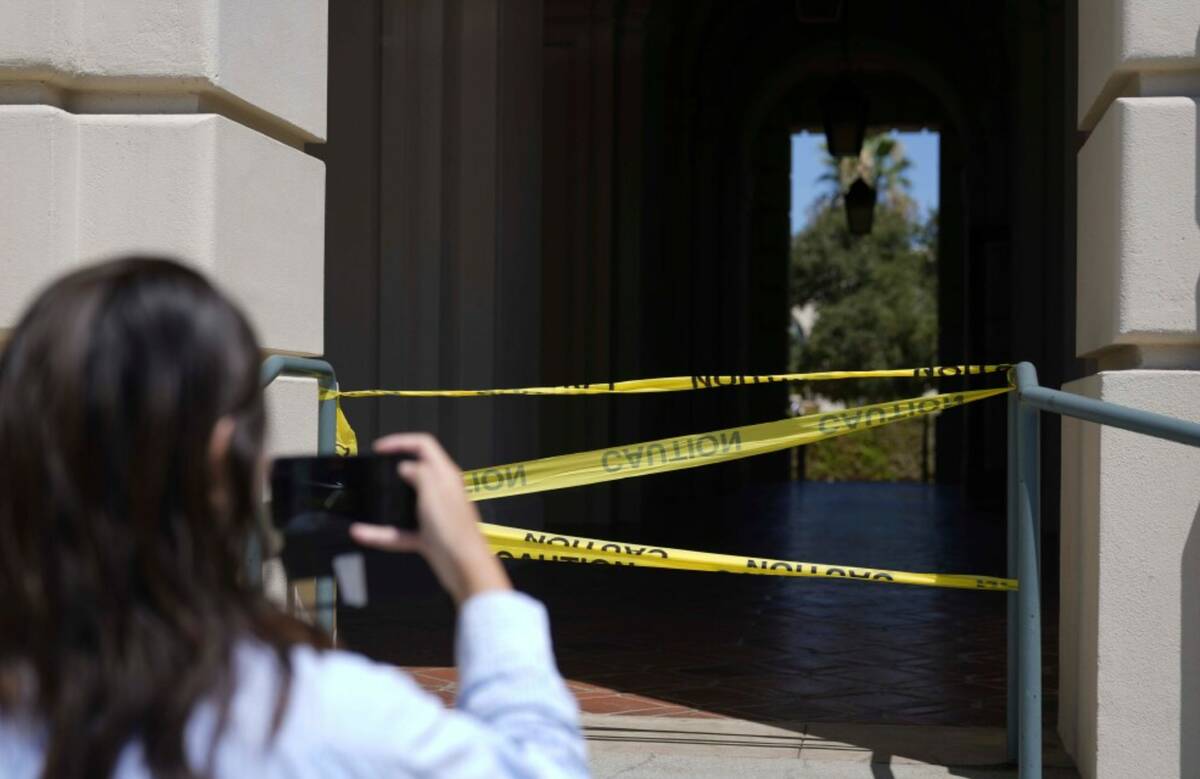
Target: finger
{"points": [[433, 478], [413, 472], [410, 443], [385, 537]]}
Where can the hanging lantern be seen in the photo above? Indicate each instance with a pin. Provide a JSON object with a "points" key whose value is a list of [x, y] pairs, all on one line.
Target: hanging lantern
{"points": [[860, 207], [844, 112]]}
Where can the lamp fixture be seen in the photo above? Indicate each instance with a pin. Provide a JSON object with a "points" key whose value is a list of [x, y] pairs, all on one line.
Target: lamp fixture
{"points": [[860, 207], [844, 114]]}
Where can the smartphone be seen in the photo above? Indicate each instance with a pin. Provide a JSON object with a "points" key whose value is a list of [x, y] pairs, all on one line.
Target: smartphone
{"points": [[315, 499]]}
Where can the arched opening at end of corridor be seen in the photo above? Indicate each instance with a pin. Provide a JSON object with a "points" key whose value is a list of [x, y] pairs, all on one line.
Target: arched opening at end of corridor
{"points": [[863, 295]]}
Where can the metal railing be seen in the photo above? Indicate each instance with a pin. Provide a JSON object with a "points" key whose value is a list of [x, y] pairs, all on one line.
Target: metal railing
{"points": [[1024, 537], [280, 365]]}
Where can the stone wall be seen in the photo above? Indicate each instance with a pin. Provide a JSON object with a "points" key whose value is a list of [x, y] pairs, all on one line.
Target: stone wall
{"points": [[1130, 555], [172, 128]]}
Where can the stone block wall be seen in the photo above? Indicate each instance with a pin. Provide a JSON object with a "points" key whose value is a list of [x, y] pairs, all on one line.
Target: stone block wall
{"points": [[1130, 554], [172, 128]]}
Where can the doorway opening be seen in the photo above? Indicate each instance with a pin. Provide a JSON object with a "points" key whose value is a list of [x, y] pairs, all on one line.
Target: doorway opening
{"points": [[864, 296]]}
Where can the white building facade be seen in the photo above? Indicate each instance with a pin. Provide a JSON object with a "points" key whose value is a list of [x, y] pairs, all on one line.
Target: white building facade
{"points": [[1130, 616]]}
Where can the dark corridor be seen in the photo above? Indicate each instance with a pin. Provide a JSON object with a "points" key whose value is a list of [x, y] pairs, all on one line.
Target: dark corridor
{"points": [[528, 192], [565, 191]]}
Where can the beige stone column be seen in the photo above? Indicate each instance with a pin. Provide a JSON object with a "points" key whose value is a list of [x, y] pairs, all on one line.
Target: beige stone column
{"points": [[1130, 617], [172, 128]]}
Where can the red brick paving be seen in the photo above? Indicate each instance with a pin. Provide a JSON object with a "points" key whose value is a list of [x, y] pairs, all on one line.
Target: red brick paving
{"points": [[593, 699]]}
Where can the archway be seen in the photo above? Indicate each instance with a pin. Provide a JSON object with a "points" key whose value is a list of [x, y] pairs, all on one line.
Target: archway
{"points": [[662, 245]]}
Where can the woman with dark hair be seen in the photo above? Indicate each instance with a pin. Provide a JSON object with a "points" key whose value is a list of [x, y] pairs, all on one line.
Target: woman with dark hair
{"points": [[131, 458]]}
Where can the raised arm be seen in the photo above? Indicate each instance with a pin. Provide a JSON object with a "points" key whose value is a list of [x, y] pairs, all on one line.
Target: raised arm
{"points": [[514, 711]]}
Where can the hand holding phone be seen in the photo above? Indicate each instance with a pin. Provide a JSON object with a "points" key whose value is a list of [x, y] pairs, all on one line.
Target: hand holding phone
{"points": [[314, 500], [447, 529]]}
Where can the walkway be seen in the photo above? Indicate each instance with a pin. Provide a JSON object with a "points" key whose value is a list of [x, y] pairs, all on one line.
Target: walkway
{"points": [[681, 644], [645, 747]]}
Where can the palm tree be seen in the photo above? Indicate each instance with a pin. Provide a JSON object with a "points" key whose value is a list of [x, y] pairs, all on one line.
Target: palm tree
{"points": [[882, 163]]}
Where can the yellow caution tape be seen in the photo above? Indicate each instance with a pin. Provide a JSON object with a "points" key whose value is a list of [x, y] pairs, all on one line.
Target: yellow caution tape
{"points": [[679, 383], [691, 451], [511, 542], [347, 442], [347, 439]]}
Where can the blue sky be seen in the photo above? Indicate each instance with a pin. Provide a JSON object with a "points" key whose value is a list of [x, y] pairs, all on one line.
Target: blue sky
{"points": [[922, 150]]}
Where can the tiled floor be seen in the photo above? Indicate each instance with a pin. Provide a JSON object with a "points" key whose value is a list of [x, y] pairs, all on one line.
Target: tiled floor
{"points": [[682, 644]]}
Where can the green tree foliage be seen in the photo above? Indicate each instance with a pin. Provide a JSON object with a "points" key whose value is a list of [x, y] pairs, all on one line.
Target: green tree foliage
{"points": [[875, 295], [890, 453]]}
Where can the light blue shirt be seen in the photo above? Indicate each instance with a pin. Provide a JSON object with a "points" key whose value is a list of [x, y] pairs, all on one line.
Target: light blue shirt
{"points": [[350, 717]]}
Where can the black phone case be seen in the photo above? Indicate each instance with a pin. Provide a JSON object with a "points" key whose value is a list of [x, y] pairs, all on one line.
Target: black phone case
{"points": [[315, 499]]}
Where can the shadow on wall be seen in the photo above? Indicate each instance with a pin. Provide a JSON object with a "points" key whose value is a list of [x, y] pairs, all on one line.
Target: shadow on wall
{"points": [[1189, 655]]}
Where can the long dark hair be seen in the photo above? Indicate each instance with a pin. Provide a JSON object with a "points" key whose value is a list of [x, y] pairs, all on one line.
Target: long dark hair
{"points": [[122, 538]]}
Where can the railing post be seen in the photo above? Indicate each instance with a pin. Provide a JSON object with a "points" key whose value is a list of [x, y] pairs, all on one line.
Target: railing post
{"points": [[1010, 623], [254, 561], [273, 366], [327, 423], [326, 593], [1029, 613]]}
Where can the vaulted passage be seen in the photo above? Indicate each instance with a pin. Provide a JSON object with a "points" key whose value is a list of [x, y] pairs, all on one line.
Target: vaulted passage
{"points": [[561, 192]]}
